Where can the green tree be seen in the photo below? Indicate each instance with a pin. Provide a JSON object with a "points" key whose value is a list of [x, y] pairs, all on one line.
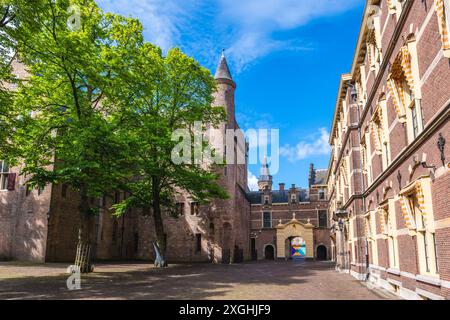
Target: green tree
{"points": [[65, 133], [160, 94]]}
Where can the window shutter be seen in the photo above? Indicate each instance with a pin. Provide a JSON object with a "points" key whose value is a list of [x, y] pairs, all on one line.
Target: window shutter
{"points": [[12, 181]]}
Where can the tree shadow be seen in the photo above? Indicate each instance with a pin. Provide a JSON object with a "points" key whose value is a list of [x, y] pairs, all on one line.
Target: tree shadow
{"points": [[178, 282]]}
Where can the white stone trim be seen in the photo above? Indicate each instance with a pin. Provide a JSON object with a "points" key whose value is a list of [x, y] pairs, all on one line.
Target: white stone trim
{"points": [[409, 294], [408, 275], [424, 25], [429, 295], [427, 279], [393, 271], [396, 282], [431, 68]]}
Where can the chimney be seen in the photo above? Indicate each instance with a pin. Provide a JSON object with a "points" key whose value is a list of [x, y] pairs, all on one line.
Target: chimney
{"points": [[293, 186], [282, 186]]}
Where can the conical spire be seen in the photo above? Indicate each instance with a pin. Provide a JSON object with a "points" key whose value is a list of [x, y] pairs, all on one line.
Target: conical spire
{"points": [[264, 174], [265, 179], [223, 72]]}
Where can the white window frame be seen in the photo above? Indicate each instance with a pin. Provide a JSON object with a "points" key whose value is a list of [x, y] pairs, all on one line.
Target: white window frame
{"points": [[426, 245]]}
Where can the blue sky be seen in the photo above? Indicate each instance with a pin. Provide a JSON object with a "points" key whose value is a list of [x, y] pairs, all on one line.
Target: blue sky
{"points": [[286, 57]]}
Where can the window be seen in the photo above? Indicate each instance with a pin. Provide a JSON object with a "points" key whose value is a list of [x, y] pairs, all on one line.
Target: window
{"points": [[136, 242], [64, 191], [179, 208], [266, 200], [426, 241], [4, 174], [198, 243], [322, 194], [418, 215], [115, 229], [389, 229], [27, 190], [323, 218], [267, 220], [366, 156], [116, 197], [415, 121], [194, 208], [293, 198], [402, 85]]}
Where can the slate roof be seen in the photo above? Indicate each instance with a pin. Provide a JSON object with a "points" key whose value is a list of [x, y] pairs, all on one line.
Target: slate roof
{"points": [[254, 197], [223, 72]]}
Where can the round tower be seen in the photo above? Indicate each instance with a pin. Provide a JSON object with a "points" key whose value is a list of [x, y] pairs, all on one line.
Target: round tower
{"points": [[226, 87]]}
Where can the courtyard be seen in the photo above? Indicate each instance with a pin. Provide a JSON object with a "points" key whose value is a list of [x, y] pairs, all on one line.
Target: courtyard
{"points": [[248, 281]]}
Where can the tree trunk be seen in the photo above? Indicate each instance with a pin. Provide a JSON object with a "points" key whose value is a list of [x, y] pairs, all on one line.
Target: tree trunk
{"points": [[157, 218], [83, 258]]}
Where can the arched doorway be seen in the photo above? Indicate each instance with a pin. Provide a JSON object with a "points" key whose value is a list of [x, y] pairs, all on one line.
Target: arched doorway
{"points": [[269, 252], [226, 239], [321, 253]]}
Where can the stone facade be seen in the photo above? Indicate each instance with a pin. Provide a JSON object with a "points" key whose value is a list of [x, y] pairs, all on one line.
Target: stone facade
{"points": [[42, 225], [272, 210], [389, 175]]}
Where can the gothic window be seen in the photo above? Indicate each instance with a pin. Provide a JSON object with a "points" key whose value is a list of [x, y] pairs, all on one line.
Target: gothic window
{"points": [[195, 209], [267, 220], [64, 188], [293, 198], [323, 218], [180, 208], [4, 174], [322, 194], [198, 243], [116, 197], [115, 229]]}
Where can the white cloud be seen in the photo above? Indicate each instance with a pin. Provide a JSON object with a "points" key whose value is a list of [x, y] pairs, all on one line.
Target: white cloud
{"points": [[246, 28], [255, 22], [163, 20], [252, 182], [307, 149]]}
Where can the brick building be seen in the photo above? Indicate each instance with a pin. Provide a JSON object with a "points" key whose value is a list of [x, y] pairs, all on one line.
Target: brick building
{"points": [[389, 178], [279, 216], [42, 225]]}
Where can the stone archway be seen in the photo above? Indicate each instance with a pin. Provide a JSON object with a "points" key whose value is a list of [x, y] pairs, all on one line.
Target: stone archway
{"points": [[226, 243], [269, 252], [321, 253], [294, 229]]}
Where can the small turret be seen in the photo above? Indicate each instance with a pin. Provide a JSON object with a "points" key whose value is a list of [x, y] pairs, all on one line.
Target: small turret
{"points": [[265, 179]]}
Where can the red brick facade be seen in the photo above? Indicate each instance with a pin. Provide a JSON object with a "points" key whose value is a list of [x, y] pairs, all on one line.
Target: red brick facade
{"points": [[389, 152]]}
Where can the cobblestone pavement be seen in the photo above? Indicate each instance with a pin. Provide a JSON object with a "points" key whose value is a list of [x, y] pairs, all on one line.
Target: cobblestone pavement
{"points": [[249, 281]]}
